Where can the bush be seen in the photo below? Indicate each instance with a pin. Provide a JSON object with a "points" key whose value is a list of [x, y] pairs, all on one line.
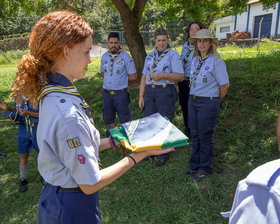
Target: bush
{"points": [[14, 42]]}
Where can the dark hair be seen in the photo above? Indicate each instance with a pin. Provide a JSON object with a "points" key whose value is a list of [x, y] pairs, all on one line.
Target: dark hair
{"points": [[159, 32], [200, 24], [113, 35]]}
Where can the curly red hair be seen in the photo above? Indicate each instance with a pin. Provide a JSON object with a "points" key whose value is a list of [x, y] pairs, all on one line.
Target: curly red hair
{"points": [[47, 40]]}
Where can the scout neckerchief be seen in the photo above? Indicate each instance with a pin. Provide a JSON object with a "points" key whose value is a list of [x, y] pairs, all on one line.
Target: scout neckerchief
{"points": [[194, 75], [190, 49], [70, 90], [28, 123], [157, 61], [112, 59]]}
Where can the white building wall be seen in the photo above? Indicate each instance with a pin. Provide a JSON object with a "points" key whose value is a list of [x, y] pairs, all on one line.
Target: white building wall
{"points": [[241, 22]]}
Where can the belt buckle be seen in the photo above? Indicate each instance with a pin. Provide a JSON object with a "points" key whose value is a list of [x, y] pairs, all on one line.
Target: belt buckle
{"points": [[153, 86], [113, 92], [164, 85]]}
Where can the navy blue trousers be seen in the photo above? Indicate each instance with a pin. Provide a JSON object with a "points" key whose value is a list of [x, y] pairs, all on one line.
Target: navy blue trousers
{"points": [[162, 101], [57, 206], [203, 118], [118, 103], [183, 94]]}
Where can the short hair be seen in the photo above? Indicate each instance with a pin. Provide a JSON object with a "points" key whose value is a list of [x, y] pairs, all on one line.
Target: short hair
{"points": [[200, 24], [113, 35], [159, 32]]}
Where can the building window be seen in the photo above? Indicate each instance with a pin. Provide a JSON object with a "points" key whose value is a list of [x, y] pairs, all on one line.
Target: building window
{"points": [[224, 29]]}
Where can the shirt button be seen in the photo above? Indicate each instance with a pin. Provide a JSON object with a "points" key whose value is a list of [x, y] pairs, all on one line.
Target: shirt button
{"points": [[62, 101]]}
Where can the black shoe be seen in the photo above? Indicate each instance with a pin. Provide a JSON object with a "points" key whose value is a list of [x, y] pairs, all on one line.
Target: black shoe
{"points": [[23, 185], [201, 174], [190, 173], [160, 162]]}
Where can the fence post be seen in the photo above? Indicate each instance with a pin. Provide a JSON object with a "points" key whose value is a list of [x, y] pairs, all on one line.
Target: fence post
{"points": [[260, 27]]}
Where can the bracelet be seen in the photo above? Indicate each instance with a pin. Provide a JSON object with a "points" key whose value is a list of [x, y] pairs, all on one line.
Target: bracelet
{"points": [[112, 143], [132, 159]]}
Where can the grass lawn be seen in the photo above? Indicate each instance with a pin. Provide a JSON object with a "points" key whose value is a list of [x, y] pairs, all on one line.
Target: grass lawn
{"points": [[244, 138]]}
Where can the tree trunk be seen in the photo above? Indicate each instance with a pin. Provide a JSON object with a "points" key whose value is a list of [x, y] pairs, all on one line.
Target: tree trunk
{"points": [[133, 38]]}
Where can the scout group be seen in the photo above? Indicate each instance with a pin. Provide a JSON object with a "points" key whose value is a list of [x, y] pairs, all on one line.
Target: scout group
{"points": [[68, 143]]}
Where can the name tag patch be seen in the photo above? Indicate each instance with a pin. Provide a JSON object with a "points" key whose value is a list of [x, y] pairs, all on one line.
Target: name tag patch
{"points": [[74, 143]]}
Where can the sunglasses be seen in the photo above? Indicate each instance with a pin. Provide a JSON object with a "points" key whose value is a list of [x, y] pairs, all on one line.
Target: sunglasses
{"points": [[161, 32]]}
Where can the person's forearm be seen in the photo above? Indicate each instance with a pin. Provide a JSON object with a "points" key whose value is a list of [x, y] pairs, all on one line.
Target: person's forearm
{"points": [[223, 90], [32, 114], [142, 86], [132, 77], [173, 77], [105, 144]]}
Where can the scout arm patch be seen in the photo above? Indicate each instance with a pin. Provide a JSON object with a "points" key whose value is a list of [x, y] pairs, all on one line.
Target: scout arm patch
{"points": [[74, 143]]}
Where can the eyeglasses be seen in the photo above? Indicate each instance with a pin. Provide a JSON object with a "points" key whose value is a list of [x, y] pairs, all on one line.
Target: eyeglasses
{"points": [[161, 32]]}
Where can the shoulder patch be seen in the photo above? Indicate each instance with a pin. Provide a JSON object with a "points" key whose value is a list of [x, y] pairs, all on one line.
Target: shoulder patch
{"points": [[120, 62], [81, 159], [74, 143]]}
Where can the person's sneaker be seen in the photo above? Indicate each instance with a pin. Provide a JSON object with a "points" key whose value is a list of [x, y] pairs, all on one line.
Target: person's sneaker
{"points": [[189, 173], [23, 185], [201, 174], [160, 162]]}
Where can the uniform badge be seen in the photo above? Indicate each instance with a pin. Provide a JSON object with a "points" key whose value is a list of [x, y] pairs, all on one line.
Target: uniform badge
{"points": [[118, 71], [180, 59], [73, 143], [164, 68], [204, 80], [207, 68], [81, 159], [120, 62], [131, 61]]}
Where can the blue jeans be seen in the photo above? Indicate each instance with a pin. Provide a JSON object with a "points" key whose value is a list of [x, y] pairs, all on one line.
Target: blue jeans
{"points": [[203, 118]]}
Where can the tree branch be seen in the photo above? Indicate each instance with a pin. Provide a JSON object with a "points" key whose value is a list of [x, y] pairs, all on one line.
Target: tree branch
{"points": [[138, 9]]}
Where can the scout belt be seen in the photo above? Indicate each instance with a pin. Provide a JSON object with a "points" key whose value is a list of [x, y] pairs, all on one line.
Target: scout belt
{"points": [[114, 92]]}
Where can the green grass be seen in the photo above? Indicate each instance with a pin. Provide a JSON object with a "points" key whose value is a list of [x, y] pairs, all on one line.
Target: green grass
{"points": [[244, 138]]}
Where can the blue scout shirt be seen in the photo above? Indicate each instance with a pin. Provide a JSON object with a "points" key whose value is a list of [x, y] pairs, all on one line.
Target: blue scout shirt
{"points": [[187, 49], [28, 106], [257, 198], [68, 141], [212, 75], [123, 66], [170, 63]]}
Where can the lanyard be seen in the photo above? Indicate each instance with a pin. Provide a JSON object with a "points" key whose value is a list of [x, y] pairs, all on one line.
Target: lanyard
{"points": [[194, 75], [70, 90], [157, 61], [112, 59], [190, 49]]}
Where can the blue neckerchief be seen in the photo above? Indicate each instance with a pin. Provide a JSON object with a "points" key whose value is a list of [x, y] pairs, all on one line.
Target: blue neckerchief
{"points": [[58, 79]]}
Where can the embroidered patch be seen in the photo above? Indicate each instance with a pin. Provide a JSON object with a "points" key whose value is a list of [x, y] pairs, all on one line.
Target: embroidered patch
{"points": [[207, 68], [120, 62], [73, 143], [164, 68], [81, 159], [131, 61], [180, 59]]}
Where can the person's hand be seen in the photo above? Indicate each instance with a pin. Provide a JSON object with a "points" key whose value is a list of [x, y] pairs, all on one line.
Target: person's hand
{"points": [[3, 106], [22, 112], [141, 102], [157, 76]]}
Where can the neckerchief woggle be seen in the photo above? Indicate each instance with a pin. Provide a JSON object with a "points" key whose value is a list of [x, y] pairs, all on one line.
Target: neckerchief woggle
{"points": [[157, 61], [190, 49], [70, 90], [112, 59], [194, 75]]}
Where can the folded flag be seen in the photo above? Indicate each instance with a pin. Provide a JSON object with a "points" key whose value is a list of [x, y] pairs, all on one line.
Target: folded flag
{"points": [[152, 132]]}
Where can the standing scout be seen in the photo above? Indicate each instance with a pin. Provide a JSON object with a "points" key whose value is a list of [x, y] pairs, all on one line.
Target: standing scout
{"points": [[157, 93], [184, 86], [26, 117], [118, 68]]}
